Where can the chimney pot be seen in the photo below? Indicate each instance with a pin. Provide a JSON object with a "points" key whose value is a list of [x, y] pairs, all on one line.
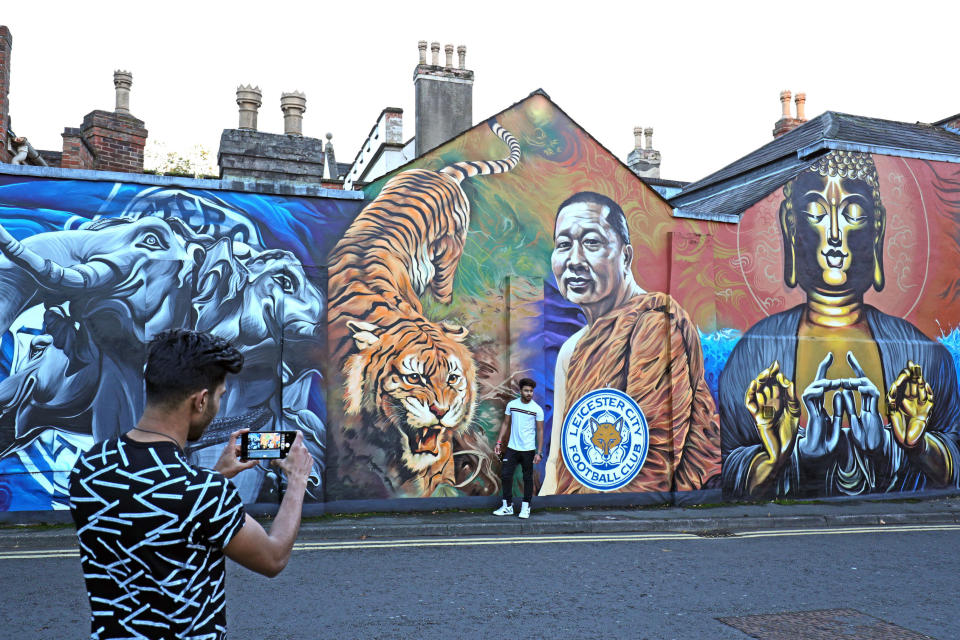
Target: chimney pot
{"points": [[785, 104], [122, 81], [648, 133], [435, 53], [249, 99], [462, 55], [422, 47], [293, 105], [638, 138], [448, 49], [800, 101]]}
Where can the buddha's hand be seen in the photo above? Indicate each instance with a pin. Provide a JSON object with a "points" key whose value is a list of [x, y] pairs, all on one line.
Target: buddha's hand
{"points": [[866, 427], [772, 402], [822, 432], [909, 402]]}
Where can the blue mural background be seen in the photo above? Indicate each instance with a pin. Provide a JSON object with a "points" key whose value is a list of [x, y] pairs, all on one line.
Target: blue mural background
{"points": [[257, 247]]}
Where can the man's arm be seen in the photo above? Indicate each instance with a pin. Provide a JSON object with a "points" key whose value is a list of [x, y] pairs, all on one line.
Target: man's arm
{"points": [[265, 553], [539, 455]]}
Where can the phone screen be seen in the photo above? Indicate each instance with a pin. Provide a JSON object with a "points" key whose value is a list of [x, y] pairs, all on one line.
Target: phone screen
{"points": [[266, 445]]}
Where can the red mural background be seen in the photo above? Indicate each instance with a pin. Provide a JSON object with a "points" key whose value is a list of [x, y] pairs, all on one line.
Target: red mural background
{"points": [[920, 239]]}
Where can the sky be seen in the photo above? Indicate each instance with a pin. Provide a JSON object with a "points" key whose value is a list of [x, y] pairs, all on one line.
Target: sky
{"points": [[705, 75]]}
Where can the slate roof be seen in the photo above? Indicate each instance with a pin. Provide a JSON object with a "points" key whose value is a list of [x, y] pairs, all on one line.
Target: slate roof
{"points": [[727, 193], [947, 120]]}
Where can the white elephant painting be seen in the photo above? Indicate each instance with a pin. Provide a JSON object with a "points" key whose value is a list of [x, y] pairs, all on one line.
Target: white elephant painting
{"points": [[80, 305]]}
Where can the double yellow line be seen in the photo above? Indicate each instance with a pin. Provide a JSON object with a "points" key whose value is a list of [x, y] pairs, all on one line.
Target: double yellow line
{"points": [[542, 539]]}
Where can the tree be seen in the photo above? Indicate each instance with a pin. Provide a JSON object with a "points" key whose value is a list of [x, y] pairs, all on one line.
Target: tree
{"points": [[196, 162]]}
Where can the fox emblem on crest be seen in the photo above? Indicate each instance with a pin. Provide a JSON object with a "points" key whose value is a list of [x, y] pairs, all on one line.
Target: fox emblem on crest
{"points": [[607, 440]]}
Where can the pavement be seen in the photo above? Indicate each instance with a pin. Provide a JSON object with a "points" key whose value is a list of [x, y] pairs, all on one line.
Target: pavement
{"points": [[705, 520]]}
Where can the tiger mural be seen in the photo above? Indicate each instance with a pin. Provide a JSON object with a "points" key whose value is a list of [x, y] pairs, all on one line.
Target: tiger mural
{"points": [[408, 383]]}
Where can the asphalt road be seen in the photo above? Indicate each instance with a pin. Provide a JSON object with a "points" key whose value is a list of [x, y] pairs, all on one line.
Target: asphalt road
{"points": [[645, 585]]}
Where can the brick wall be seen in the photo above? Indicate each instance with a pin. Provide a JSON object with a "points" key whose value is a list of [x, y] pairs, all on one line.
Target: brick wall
{"points": [[6, 46], [116, 140], [76, 154]]}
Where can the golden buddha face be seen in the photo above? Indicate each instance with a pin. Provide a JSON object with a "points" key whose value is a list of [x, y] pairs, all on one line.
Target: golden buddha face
{"points": [[833, 228]]}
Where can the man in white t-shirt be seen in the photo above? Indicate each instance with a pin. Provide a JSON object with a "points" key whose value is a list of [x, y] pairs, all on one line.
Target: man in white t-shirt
{"points": [[524, 419]]}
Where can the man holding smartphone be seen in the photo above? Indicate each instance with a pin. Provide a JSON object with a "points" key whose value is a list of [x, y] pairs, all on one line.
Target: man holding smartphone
{"points": [[153, 529]]}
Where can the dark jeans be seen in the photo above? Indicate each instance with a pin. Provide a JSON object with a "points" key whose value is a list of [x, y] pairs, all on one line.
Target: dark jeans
{"points": [[510, 460]]}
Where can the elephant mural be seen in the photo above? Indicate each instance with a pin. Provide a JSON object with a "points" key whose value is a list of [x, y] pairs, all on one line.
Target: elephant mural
{"points": [[89, 271], [263, 302], [84, 374], [54, 385], [116, 282]]}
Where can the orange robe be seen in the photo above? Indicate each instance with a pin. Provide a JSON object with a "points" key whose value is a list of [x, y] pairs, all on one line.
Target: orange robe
{"points": [[650, 349]]}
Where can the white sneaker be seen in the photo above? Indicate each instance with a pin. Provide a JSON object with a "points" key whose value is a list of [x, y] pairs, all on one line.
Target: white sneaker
{"points": [[525, 511], [504, 510]]}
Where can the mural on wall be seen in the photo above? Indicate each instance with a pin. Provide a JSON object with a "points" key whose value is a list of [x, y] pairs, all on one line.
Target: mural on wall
{"points": [[90, 271], [639, 343], [838, 391], [409, 383], [507, 300], [809, 350]]}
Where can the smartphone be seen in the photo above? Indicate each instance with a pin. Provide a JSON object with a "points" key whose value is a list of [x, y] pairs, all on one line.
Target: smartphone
{"points": [[266, 445]]}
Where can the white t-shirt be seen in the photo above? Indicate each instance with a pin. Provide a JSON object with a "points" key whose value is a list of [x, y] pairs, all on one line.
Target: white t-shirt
{"points": [[523, 424]]}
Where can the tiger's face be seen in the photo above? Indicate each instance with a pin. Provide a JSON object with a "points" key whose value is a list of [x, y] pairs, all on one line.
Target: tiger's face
{"points": [[418, 380]]}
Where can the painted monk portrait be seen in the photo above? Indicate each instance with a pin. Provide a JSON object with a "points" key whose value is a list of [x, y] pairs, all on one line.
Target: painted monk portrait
{"points": [[835, 397], [641, 343]]}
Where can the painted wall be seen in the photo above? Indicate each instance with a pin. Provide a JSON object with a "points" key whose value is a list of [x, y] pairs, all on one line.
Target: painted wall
{"points": [[449, 288], [137, 260], [809, 350], [840, 293]]}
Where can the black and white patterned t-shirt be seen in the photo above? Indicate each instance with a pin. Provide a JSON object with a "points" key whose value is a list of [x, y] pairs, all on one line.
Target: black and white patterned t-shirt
{"points": [[151, 529]]}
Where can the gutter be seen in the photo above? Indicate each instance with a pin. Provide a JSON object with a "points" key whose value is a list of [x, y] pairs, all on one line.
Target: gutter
{"points": [[712, 217]]}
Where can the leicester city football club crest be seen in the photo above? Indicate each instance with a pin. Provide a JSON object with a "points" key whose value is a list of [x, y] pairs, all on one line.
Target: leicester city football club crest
{"points": [[605, 439]]}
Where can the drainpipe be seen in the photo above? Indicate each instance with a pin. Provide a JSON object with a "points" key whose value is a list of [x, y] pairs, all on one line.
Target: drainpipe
{"points": [[25, 151]]}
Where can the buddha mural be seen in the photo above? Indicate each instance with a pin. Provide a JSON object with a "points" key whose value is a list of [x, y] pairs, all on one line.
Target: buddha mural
{"points": [[833, 396]]}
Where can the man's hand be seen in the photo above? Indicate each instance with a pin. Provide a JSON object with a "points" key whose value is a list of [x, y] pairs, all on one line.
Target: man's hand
{"points": [[909, 402], [772, 402], [496, 450], [299, 463], [269, 553], [822, 433], [537, 458], [229, 463]]}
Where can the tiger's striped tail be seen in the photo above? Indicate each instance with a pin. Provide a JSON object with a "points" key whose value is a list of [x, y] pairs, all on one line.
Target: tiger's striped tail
{"points": [[468, 169]]}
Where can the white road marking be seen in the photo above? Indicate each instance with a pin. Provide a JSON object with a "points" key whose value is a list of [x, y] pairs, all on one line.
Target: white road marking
{"points": [[473, 541]]}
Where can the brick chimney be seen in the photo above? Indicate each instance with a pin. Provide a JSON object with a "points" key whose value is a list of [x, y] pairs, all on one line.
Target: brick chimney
{"points": [[247, 154], [6, 46], [787, 122], [444, 96], [108, 140]]}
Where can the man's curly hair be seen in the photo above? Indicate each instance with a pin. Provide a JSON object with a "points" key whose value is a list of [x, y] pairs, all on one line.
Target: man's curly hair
{"points": [[181, 362]]}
